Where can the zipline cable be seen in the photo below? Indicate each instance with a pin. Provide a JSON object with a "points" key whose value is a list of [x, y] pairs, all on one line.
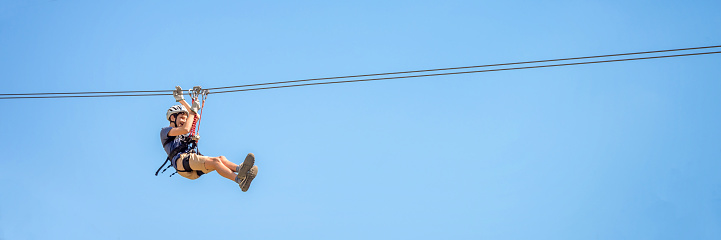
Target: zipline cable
{"points": [[78, 93], [467, 67], [365, 75], [467, 72], [168, 92], [90, 96]]}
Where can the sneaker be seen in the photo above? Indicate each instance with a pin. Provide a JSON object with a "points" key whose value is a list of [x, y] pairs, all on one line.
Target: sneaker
{"points": [[246, 165], [249, 176]]}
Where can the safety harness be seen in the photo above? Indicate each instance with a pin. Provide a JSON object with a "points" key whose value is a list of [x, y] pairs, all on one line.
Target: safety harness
{"points": [[189, 144]]}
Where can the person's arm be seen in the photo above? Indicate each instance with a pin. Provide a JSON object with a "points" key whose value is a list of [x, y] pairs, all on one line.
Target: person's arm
{"points": [[180, 130], [178, 95], [187, 106]]}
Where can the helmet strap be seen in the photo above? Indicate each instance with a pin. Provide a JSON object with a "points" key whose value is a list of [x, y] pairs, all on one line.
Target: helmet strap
{"points": [[175, 122]]}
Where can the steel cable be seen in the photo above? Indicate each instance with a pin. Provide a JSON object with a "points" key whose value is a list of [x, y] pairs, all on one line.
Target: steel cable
{"points": [[169, 92]]}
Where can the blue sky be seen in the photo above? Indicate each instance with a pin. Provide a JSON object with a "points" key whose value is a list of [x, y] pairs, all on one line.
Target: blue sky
{"points": [[625, 150]]}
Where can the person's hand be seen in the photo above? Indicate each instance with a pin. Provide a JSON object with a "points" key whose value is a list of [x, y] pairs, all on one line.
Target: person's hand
{"points": [[195, 137], [178, 94], [195, 107]]}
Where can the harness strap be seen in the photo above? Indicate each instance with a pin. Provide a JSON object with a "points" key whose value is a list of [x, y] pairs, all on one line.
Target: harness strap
{"points": [[187, 168], [161, 166], [186, 164], [185, 161], [176, 151]]}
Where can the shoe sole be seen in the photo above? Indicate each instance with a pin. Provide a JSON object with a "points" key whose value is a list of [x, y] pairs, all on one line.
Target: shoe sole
{"points": [[245, 183], [247, 164]]}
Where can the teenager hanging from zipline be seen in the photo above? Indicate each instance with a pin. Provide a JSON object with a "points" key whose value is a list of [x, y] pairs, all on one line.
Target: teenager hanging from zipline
{"points": [[180, 141]]}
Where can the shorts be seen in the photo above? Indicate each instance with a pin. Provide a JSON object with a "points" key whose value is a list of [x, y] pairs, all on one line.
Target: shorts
{"points": [[197, 163]]}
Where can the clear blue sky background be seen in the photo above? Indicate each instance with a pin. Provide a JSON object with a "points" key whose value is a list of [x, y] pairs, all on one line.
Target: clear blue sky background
{"points": [[626, 150]]}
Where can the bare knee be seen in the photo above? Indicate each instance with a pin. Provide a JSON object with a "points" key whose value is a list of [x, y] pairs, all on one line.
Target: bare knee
{"points": [[222, 158], [215, 160], [212, 163]]}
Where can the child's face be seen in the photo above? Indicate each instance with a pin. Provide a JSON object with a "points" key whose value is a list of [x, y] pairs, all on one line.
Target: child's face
{"points": [[182, 117]]}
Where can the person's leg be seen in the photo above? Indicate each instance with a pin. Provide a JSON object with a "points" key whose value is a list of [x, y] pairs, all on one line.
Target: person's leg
{"points": [[232, 166], [215, 163], [179, 162]]}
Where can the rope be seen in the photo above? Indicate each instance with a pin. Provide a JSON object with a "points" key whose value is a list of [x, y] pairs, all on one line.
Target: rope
{"points": [[200, 116], [193, 98], [194, 94]]}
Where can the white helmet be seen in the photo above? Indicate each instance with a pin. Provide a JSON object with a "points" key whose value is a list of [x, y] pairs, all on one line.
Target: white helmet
{"points": [[175, 109]]}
